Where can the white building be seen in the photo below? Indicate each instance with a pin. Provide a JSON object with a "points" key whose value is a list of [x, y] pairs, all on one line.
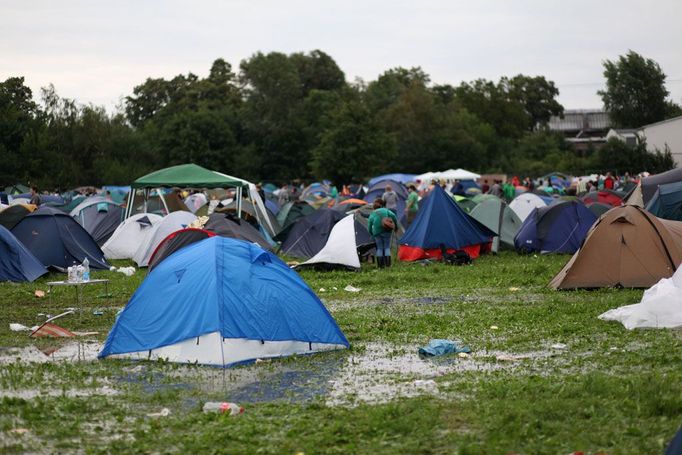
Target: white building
{"points": [[667, 133]]}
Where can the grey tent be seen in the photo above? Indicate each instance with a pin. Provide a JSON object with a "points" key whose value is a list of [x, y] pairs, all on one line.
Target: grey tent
{"points": [[229, 226], [496, 215], [99, 216]]}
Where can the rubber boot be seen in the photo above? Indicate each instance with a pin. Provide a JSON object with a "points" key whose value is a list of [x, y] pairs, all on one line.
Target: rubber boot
{"points": [[380, 262], [387, 263]]}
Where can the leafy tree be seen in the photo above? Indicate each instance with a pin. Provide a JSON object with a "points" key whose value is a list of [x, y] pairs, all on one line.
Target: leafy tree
{"points": [[616, 156], [537, 95], [20, 121], [635, 92], [492, 103], [353, 148]]}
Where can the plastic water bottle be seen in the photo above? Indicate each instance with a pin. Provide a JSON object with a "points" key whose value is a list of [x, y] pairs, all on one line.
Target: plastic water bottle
{"points": [[71, 275], [223, 408], [79, 273], [86, 270]]}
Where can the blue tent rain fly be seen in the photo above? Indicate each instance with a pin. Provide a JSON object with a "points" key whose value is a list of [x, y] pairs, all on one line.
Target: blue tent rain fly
{"points": [[57, 240], [251, 306], [441, 221], [16, 262], [559, 228], [666, 202]]}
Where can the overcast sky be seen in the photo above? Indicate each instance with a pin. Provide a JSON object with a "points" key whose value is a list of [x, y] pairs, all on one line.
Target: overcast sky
{"points": [[97, 51]]}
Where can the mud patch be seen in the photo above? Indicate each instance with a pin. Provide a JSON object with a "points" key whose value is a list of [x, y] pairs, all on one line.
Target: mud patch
{"points": [[82, 351]]}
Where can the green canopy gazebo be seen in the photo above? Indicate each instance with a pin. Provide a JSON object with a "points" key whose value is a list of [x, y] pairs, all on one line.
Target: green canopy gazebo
{"points": [[182, 176]]}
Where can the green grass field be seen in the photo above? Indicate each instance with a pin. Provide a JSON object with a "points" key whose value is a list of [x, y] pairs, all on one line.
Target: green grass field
{"points": [[609, 390]]}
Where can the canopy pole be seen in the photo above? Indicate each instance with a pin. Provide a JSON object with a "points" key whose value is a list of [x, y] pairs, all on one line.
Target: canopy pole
{"points": [[145, 193], [163, 199], [239, 202], [131, 201]]}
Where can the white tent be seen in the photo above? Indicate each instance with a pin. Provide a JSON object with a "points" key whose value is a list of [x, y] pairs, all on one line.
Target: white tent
{"points": [[129, 235], [661, 307], [195, 201], [341, 248], [172, 222], [450, 174], [524, 203]]}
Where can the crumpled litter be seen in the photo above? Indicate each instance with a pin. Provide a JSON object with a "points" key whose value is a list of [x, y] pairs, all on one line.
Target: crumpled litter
{"points": [[199, 222], [351, 288], [127, 271], [441, 347], [513, 289], [559, 346], [165, 412], [494, 327], [323, 290], [38, 293], [19, 430], [16, 327]]}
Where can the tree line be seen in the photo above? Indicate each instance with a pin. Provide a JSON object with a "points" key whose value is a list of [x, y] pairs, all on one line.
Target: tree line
{"points": [[284, 117]]}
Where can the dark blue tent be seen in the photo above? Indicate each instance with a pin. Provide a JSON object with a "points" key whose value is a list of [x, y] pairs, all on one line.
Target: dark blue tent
{"points": [[57, 240], [309, 234], [251, 306], [558, 228], [16, 262], [666, 202], [441, 221]]}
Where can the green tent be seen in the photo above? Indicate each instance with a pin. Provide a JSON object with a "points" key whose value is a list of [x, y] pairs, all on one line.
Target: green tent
{"points": [[464, 203], [498, 217], [187, 176]]}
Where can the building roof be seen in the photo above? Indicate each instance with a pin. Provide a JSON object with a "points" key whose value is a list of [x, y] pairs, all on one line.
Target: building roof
{"points": [[580, 119], [674, 119]]}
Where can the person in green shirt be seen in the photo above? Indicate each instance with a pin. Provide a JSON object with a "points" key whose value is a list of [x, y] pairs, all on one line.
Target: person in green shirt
{"points": [[412, 205], [381, 235]]}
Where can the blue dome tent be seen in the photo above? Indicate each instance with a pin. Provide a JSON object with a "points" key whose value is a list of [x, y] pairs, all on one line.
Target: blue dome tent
{"points": [[558, 228], [57, 240], [222, 302], [16, 262]]}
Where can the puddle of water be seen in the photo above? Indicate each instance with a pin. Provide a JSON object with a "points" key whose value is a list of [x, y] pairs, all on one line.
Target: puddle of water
{"points": [[378, 373], [72, 352]]}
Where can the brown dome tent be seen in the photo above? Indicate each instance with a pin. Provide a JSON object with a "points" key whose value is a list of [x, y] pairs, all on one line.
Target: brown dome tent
{"points": [[10, 216], [628, 247]]}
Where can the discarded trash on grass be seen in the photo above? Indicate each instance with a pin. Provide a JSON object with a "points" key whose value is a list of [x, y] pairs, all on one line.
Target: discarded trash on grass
{"points": [[559, 346], [38, 293], [165, 412], [49, 329], [441, 347], [222, 408], [351, 288], [127, 271], [494, 327], [16, 327], [513, 289]]}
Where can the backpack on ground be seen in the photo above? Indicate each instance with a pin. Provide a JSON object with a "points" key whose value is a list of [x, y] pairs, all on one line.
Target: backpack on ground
{"points": [[458, 258]]}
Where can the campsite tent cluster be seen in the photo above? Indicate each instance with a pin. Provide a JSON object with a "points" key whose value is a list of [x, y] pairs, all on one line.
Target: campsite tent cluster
{"points": [[196, 228]]}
